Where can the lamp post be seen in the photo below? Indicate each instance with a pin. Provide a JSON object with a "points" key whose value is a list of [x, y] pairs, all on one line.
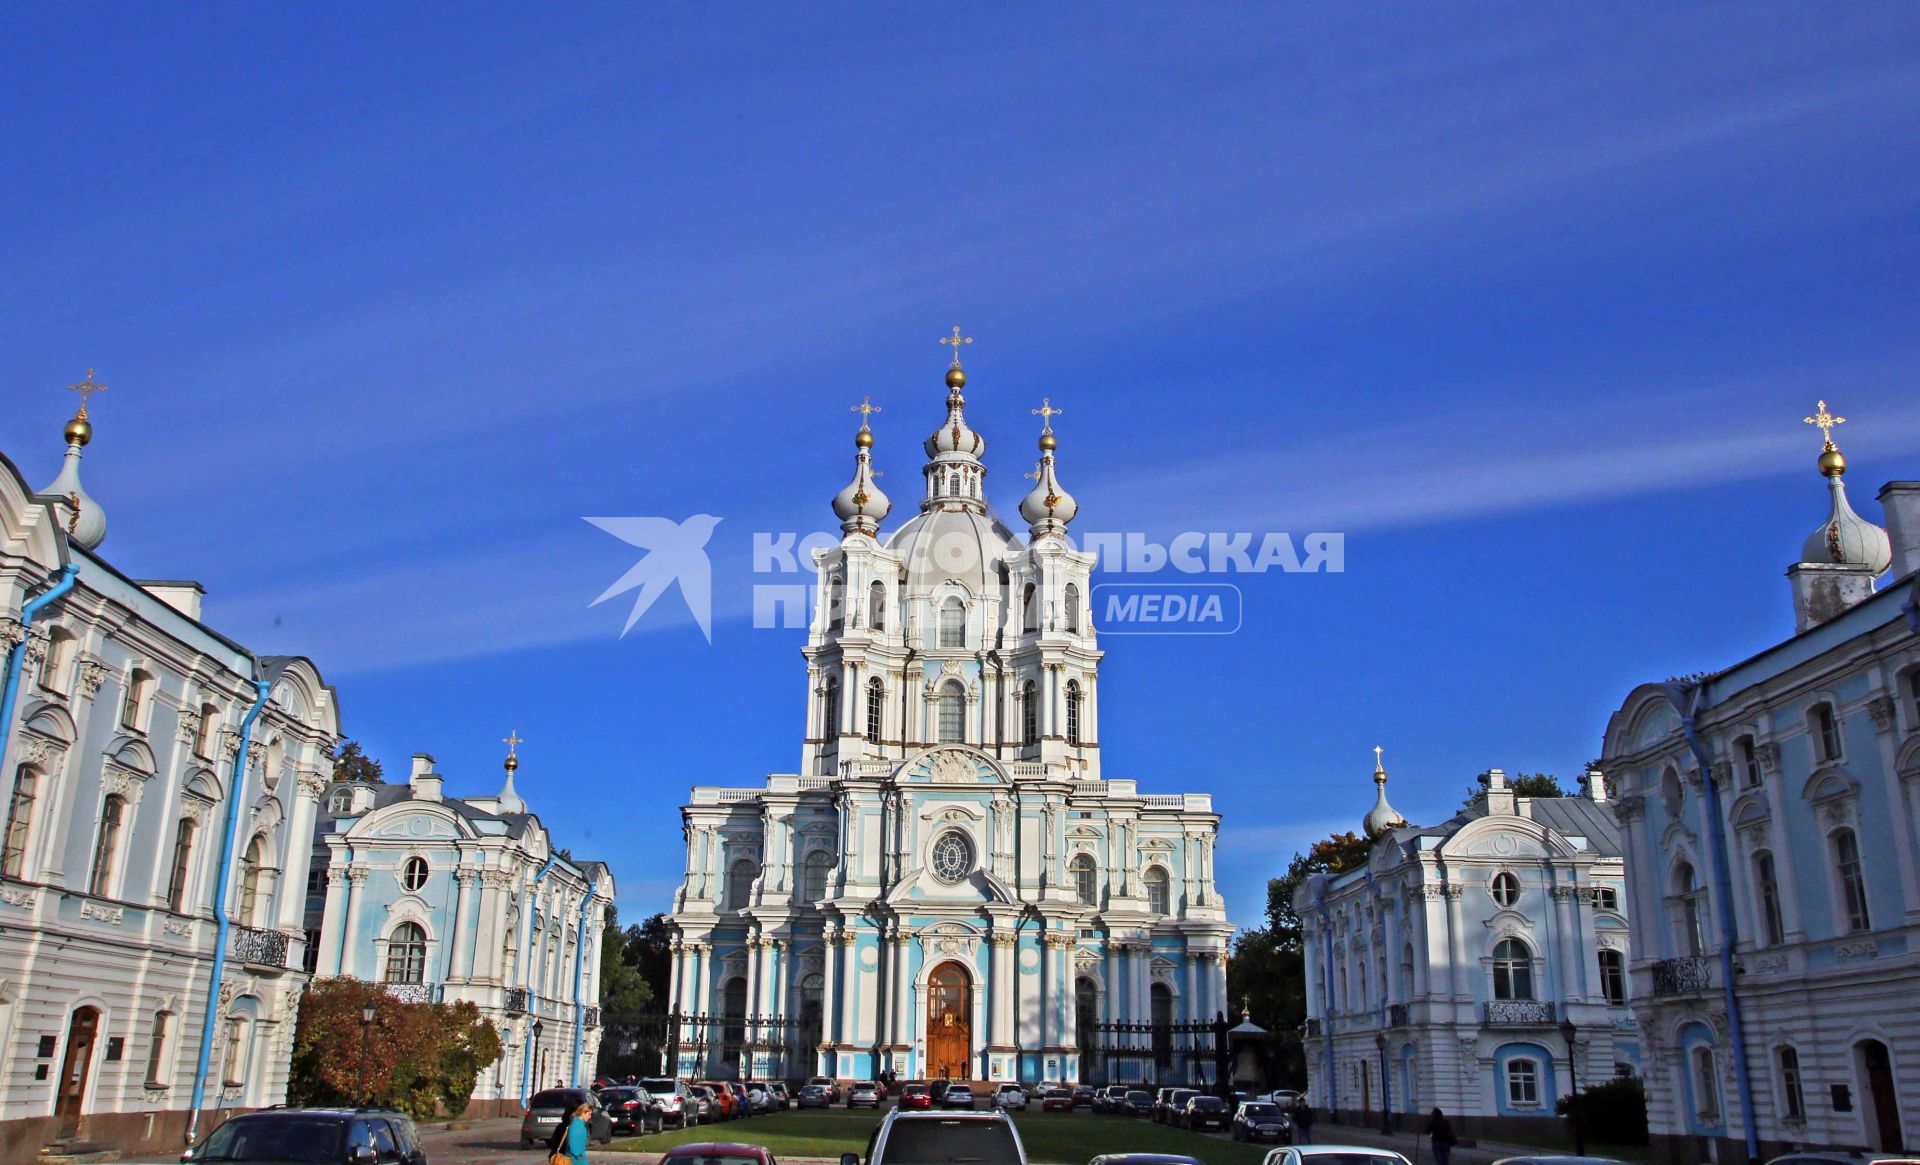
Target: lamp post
{"points": [[1386, 1100], [367, 1014], [1567, 1032]]}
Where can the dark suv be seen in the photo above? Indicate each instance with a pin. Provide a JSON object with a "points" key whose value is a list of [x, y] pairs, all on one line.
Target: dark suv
{"points": [[320, 1136]]}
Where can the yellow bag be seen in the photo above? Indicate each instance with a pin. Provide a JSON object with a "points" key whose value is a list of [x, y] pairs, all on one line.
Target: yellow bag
{"points": [[559, 1159]]}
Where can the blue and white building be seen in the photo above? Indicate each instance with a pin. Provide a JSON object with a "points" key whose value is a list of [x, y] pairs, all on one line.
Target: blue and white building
{"points": [[135, 781], [948, 886], [449, 899], [1441, 972], [1770, 816]]}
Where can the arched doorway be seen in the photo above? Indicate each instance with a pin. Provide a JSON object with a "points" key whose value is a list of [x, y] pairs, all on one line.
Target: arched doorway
{"points": [[950, 1022], [1876, 1068], [74, 1070]]}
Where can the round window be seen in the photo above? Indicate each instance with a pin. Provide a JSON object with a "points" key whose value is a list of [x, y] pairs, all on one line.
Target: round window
{"points": [[413, 875], [952, 857]]}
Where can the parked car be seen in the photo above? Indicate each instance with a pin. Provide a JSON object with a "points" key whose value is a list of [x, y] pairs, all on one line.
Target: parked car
{"points": [[1108, 1099], [552, 1105], [916, 1096], [1143, 1159], [1083, 1098], [1011, 1097], [726, 1106], [1333, 1155], [826, 1082], [1791, 1159], [814, 1096], [1169, 1102], [1057, 1100], [910, 1138], [744, 1107], [1796, 1158], [783, 1099], [957, 1096], [1284, 1098], [673, 1097], [706, 1106], [760, 1097], [334, 1136], [863, 1094], [1203, 1113], [716, 1153], [1138, 1102], [632, 1110], [1261, 1120]]}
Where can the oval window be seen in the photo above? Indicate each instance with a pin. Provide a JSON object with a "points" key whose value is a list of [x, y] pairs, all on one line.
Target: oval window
{"points": [[952, 857]]}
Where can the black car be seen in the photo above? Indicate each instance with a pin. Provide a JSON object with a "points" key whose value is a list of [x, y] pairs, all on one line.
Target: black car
{"points": [[550, 1106], [1108, 1099], [323, 1136], [1083, 1098], [1170, 1103], [1259, 1120], [633, 1110], [1137, 1103], [1202, 1112]]}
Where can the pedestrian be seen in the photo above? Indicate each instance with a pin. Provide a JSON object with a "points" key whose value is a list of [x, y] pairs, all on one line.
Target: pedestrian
{"points": [[570, 1140], [1440, 1136], [1303, 1119]]}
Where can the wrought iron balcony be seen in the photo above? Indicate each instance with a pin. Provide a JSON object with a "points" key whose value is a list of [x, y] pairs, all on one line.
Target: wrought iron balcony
{"points": [[593, 1017], [1518, 1013], [1396, 1015], [413, 992], [1683, 976], [259, 948], [1311, 1028], [517, 1001]]}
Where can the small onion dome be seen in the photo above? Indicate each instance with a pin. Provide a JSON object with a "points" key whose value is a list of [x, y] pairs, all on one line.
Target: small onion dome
{"points": [[1382, 817], [954, 436], [1048, 507], [82, 518], [1845, 537], [861, 506]]}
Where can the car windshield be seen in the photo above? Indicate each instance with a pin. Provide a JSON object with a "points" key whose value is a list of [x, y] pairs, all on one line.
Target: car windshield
{"points": [[607, 1094], [558, 1098], [653, 1085], [950, 1142], [1353, 1159], [1140, 1097], [1259, 1110], [279, 1138], [1208, 1103]]}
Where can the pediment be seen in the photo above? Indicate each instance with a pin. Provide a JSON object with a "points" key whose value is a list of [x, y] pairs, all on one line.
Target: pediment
{"points": [[952, 764]]}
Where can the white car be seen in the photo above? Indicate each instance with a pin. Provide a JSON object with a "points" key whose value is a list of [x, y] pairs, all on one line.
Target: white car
{"points": [[1010, 1097], [1333, 1155]]}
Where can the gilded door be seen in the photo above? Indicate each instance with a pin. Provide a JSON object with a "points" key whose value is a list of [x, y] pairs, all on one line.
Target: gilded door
{"points": [[949, 1023]]}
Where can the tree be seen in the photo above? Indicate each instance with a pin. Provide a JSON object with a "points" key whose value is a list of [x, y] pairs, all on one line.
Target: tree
{"points": [[622, 988], [1330, 855], [351, 764], [421, 1058], [650, 946], [1523, 785]]}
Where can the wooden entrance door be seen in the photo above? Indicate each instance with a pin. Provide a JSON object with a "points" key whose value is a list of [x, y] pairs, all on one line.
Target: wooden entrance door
{"points": [[949, 1023], [75, 1068], [1880, 1092]]}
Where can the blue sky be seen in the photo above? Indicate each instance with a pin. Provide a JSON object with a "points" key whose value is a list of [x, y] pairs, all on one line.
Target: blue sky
{"points": [[1527, 300]]}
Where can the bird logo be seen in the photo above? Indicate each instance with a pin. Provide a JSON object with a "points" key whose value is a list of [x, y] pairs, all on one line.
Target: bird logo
{"points": [[676, 553]]}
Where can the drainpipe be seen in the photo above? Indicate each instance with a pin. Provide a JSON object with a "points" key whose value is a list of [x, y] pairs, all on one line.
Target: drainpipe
{"points": [[526, 978], [236, 794], [579, 979], [1689, 700], [17, 657], [1326, 1002]]}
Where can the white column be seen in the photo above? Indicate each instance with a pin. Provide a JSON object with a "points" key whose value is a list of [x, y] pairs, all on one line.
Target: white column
{"points": [[1457, 962], [306, 803], [830, 988], [1003, 988], [1422, 938], [1572, 982], [333, 926], [463, 936], [350, 938]]}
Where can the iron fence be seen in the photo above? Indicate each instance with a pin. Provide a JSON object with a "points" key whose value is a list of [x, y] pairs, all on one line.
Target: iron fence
{"points": [[1683, 976], [259, 948], [1518, 1012]]}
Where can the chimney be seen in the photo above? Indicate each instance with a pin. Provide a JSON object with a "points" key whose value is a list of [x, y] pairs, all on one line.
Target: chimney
{"points": [[424, 782], [1901, 502], [1822, 590], [182, 595], [1500, 798], [1596, 785]]}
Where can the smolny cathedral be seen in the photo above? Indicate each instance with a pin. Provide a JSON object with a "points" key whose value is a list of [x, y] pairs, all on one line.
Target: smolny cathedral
{"points": [[948, 886]]}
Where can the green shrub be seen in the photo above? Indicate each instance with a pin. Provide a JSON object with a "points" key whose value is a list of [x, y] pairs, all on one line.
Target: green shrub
{"points": [[1614, 1113]]}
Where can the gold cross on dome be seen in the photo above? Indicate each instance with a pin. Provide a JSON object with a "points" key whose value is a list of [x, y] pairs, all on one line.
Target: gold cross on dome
{"points": [[1377, 750], [512, 740], [865, 408], [956, 340], [1046, 412], [86, 388], [1824, 421]]}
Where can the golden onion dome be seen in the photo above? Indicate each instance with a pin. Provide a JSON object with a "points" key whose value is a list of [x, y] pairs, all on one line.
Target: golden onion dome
{"points": [[864, 439], [956, 377], [79, 431], [1833, 463], [1047, 443]]}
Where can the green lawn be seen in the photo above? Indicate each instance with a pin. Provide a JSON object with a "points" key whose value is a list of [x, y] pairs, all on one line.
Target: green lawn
{"points": [[1051, 1138]]}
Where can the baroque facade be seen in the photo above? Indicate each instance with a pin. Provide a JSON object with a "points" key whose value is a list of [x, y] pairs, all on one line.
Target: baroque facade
{"points": [[130, 764], [948, 886], [451, 899], [1442, 971], [1770, 814]]}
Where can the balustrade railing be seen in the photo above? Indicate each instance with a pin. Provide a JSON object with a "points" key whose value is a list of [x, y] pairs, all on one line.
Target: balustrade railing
{"points": [[413, 992], [1682, 976], [1518, 1012], [1396, 1015], [516, 1001], [256, 947]]}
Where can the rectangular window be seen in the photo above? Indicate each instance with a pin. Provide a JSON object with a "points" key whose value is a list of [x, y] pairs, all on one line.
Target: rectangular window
{"points": [[953, 624], [1853, 884], [1706, 1085], [157, 1051], [133, 699], [1613, 977], [1749, 763], [1792, 1103], [209, 723], [1766, 886], [13, 857], [1523, 1083], [1827, 729], [234, 1063], [1607, 898]]}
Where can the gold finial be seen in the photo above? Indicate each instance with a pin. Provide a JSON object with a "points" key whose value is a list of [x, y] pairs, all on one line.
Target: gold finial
{"points": [[1379, 769], [513, 740], [866, 408], [85, 388], [1832, 462], [956, 340]]}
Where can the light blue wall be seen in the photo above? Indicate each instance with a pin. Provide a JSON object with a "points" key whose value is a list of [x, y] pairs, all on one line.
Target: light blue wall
{"points": [[1549, 1086]]}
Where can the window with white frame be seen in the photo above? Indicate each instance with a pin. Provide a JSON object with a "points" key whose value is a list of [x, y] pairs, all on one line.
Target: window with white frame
{"points": [[739, 883], [1072, 604], [133, 701], [836, 601], [20, 802], [1688, 915], [953, 623], [1159, 889], [813, 880], [877, 605], [830, 708], [253, 877], [59, 657], [233, 1065], [1505, 889], [1073, 712], [1606, 898], [340, 802], [157, 1050], [1825, 727], [1613, 976], [1523, 1082], [1852, 879], [180, 873], [1749, 762], [1793, 1104], [407, 954], [1029, 714], [106, 845], [1766, 896], [953, 715], [413, 875], [1085, 888], [876, 708], [1706, 1084], [1512, 970]]}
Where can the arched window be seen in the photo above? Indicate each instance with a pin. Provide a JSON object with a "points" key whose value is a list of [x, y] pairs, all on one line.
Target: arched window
{"points": [[1613, 976], [1512, 970], [53, 668], [413, 875], [830, 708], [1686, 891], [1080, 870], [407, 954], [813, 877], [953, 715], [739, 884], [1506, 889], [181, 872], [209, 726], [877, 605], [340, 802], [1766, 893], [1825, 728], [1072, 604], [106, 845], [876, 707], [1159, 890], [953, 486], [1029, 609], [157, 1050], [1793, 1104], [1853, 883], [1029, 714], [253, 874], [953, 623], [1073, 712], [836, 601], [13, 853]]}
